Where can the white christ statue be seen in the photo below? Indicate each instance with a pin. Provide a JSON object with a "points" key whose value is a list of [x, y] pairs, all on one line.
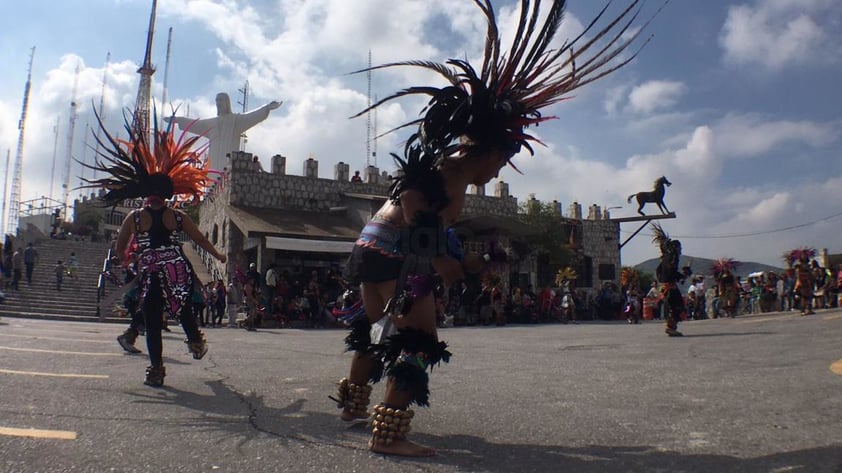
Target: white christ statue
{"points": [[224, 130]]}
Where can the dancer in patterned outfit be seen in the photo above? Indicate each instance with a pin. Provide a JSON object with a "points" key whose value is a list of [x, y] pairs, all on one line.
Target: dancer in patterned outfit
{"points": [[669, 277], [165, 276], [469, 130]]}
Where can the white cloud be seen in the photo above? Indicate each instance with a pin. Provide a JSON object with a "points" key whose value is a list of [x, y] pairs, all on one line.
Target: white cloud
{"points": [[655, 95], [779, 33], [750, 135]]}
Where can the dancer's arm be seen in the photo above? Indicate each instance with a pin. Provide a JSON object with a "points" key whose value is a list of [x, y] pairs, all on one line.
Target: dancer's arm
{"points": [[193, 232]]}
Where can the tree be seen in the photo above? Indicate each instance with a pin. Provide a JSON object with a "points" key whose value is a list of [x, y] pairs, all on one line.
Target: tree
{"points": [[551, 243]]}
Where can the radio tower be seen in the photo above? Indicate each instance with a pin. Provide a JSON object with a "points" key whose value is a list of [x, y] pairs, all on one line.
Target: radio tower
{"points": [[14, 198], [55, 152], [70, 132], [244, 139], [140, 119], [374, 140], [101, 106], [5, 188], [368, 117], [166, 70]]}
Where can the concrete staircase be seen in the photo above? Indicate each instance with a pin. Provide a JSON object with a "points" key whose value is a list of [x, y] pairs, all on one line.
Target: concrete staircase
{"points": [[78, 298]]}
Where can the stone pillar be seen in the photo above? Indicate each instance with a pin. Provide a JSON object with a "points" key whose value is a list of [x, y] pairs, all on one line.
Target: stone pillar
{"points": [[478, 190], [342, 172], [501, 189], [594, 212], [575, 211], [384, 177], [311, 168], [557, 208], [372, 175], [533, 206], [279, 165], [241, 161]]}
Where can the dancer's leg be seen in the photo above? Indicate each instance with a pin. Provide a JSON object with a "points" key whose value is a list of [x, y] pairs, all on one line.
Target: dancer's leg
{"points": [[389, 433]]}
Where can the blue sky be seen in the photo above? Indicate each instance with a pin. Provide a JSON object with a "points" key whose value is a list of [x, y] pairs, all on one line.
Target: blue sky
{"points": [[735, 102]]}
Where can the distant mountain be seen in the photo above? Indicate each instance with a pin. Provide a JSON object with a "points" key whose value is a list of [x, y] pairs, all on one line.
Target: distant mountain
{"points": [[702, 266]]}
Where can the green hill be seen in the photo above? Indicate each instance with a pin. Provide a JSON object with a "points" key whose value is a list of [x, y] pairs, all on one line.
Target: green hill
{"points": [[702, 266]]}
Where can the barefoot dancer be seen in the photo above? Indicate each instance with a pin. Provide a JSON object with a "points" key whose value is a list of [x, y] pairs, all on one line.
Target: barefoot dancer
{"points": [[470, 130], [166, 280]]}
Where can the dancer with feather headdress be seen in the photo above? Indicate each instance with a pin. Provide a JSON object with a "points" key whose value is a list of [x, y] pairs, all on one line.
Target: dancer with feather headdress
{"points": [[669, 276], [156, 171], [470, 129], [723, 273], [799, 259]]}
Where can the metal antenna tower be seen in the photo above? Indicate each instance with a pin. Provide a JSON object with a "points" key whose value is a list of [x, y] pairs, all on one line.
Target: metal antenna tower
{"points": [[166, 70], [55, 152], [5, 189], [69, 160], [140, 120], [368, 116], [84, 157], [101, 107], [245, 103], [374, 139], [14, 198]]}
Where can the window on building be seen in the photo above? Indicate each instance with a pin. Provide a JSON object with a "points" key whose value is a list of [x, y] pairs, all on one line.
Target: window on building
{"points": [[586, 276], [215, 234], [606, 272]]}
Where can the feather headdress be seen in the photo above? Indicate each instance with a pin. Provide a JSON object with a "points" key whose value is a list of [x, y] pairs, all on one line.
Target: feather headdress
{"points": [[799, 254], [492, 106], [723, 264], [168, 167], [566, 274]]}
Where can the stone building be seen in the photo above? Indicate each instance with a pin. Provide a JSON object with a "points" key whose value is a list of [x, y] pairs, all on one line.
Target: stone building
{"points": [[304, 222]]}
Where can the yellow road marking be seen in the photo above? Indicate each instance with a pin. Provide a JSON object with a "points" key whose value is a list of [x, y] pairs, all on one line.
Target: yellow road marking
{"points": [[36, 350], [837, 368], [56, 375], [38, 433], [63, 339]]}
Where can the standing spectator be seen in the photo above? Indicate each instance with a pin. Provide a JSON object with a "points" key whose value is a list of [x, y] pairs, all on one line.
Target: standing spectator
{"points": [[199, 300], [235, 300], [73, 268], [17, 268], [250, 295], [60, 269], [356, 177], [804, 287], [315, 305], [271, 285], [219, 303], [701, 303], [30, 259], [254, 275]]}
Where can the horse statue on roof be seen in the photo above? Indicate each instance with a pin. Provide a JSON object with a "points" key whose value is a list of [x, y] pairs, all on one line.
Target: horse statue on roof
{"points": [[656, 196]]}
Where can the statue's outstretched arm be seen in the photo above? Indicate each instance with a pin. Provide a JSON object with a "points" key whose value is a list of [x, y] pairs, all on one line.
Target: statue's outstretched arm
{"points": [[248, 120], [192, 125]]}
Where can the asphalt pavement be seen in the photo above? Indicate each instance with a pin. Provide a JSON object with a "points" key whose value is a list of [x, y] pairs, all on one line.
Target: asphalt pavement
{"points": [[753, 394]]}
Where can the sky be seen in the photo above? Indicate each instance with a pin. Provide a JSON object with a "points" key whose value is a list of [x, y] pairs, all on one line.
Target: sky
{"points": [[735, 102]]}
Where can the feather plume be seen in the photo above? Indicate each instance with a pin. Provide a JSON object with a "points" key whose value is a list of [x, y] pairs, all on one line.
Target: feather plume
{"points": [[492, 107], [136, 168]]}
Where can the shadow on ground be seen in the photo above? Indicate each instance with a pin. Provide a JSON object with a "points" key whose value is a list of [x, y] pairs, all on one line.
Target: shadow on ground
{"points": [[293, 424]]}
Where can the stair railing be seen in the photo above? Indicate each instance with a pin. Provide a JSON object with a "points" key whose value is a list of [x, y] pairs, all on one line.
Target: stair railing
{"points": [[100, 285]]}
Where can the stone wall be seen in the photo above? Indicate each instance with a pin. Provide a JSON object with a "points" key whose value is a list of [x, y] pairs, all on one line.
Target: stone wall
{"points": [[600, 241], [250, 187]]}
